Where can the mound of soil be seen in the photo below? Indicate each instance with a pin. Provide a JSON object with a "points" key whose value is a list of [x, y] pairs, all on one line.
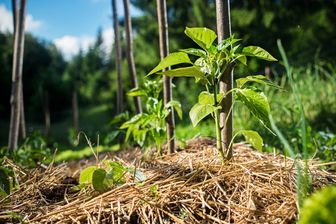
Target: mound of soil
{"points": [[190, 186]]}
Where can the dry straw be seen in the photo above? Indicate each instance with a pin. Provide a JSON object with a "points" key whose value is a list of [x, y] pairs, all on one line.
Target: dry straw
{"points": [[191, 186]]}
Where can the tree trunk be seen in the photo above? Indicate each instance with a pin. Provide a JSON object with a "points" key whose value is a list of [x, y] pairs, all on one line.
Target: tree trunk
{"points": [[130, 57], [15, 101], [167, 81], [46, 112], [118, 59], [224, 31], [22, 116], [75, 109]]}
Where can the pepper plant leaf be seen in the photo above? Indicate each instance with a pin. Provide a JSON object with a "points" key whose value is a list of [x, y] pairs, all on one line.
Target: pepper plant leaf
{"points": [[202, 36], [253, 138], [137, 92], [256, 102], [258, 52], [208, 98], [191, 71], [172, 59], [255, 78], [224, 44], [195, 52], [241, 58], [177, 106], [199, 111]]}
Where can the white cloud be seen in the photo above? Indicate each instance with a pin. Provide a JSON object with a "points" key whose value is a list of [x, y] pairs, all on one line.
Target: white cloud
{"points": [[32, 24], [6, 21], [70, 45], [108, 39]]}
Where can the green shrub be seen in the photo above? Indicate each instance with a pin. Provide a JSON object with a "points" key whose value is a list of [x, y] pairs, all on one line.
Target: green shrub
{"points": [[320, 207]]}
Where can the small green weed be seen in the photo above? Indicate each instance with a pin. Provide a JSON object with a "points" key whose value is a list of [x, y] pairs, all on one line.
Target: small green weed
{"points": [[111, 173]]}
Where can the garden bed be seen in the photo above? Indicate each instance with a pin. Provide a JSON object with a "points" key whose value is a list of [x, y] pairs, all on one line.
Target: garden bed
{"points": [[190, 186]]}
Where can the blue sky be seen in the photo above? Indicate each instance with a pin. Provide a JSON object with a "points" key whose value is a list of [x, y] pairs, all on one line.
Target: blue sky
{"points": [[70, 24]]}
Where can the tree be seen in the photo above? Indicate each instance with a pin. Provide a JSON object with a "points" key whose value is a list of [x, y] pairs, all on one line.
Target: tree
{"points": [[130, 57], [167, 81], [76, 70], [22, 115], [17, 77], [224, 31], [118, 58]]}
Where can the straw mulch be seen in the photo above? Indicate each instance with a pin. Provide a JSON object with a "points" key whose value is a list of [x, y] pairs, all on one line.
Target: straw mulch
{"points": [[192, 187]]}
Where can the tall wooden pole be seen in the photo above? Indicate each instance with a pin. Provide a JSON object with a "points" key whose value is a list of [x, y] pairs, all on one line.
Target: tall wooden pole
{"points": [[22, 115], [167, 81], [17, 77], [118, 59], [130, 56], [224, 31]]}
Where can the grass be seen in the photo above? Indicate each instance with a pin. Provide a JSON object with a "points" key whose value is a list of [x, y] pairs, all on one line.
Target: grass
{"points": [[69, 154]]}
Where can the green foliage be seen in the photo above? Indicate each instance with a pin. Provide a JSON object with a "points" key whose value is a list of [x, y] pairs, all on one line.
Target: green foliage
{"points": [[199, 111], [256, 102], [214, 62], [6, 181], [258, 52], [110, 174], [31, 152], [203, 37], [154, 191], [172, 59], [34, 150], [253, 138], [150, 126], [320, 207]]}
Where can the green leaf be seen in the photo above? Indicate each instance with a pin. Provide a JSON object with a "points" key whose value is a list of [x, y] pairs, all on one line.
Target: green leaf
{"points": [[256, 78], [195, 51], [256, 102], [116, 172], [199, 111], [172, 59], [177, 106], [137, 92], [227, 42], [85, 176], [242, 59], [133, 120], [204, 66], [6, 183], [98, 180], [192, 71], [258, 52], [202, 36], [253, 138], [208, 98]]}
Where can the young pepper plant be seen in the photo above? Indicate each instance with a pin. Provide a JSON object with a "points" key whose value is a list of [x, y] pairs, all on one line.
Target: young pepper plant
{"points": [[213, 62], [150, 126]]}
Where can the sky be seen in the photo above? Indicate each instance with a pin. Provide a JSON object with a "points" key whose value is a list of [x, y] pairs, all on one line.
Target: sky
{"points": [[69, 24]]}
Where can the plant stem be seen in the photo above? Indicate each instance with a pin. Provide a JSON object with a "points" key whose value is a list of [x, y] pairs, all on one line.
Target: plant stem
{"points": [[218, 130]]}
